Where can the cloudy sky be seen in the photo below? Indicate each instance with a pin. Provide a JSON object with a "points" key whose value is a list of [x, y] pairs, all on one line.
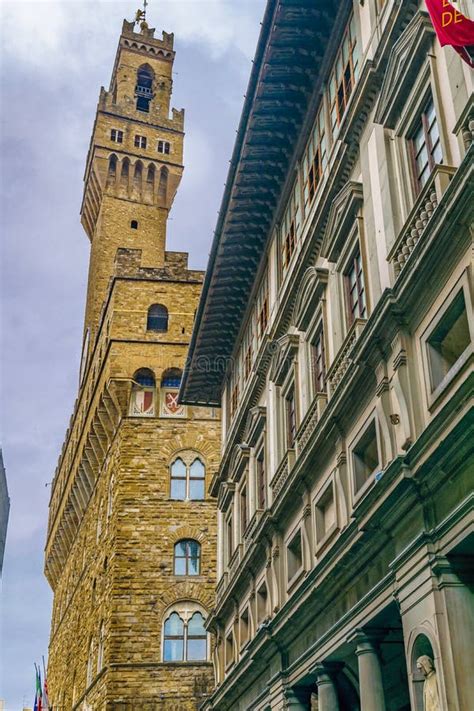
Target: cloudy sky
{"points": [[54, 58]]}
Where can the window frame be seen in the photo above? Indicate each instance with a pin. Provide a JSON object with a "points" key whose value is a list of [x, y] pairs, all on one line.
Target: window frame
{"points": [[354, 41], [421, 122], [185, 611], [187, 458], [370, 479], [321, 540], [436, 395], [296, 532], [187, 557], [166, 145], [261, 477], [350, 304], [140, 141], [116, 135]]}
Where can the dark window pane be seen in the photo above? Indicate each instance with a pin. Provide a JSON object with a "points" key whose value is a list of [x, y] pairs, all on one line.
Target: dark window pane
{"points": [[194, 548]]}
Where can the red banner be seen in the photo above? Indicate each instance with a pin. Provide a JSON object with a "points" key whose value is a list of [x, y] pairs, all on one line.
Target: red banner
{"points": [[453, 28]]}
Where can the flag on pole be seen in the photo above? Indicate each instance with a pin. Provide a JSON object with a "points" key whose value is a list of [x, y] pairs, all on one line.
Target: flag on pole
{"points": [[38, 705], [45, 689], [453, 28]]}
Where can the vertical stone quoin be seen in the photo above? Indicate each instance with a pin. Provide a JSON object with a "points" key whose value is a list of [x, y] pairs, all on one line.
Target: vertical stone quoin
{"points": [[131, 544]]}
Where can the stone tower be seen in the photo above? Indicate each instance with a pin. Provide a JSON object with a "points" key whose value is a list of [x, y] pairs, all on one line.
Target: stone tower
{"points": [[131, 551]]}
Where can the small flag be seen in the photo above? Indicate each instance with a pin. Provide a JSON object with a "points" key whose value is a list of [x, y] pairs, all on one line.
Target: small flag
{"points": [[45, 690], [453, 28], [38, 705]]}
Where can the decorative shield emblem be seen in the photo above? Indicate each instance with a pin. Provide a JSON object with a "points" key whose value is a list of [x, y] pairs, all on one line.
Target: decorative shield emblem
{"points": [[170, 404]]}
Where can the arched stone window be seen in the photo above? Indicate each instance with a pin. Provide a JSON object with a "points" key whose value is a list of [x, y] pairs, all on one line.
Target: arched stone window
{"points": [[188, 477], [150, 178], [112, 168], [163, 184], [187, 557], [157, 319], [142, 402], [144, 87], [138, 175], [184, 636], [125, 173]]}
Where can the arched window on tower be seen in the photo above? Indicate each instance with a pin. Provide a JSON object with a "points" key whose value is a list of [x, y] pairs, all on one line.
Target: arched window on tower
{"points": [[187, 557], [184, 636], [150, 179], [170, 383], [112, 174], [138, 175], [157, 319], [144, 87], [125, 173], [163, 184], [142, 402], [187, 477]]}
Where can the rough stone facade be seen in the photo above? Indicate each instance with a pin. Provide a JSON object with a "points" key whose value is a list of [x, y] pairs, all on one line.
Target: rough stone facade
{"points": [[113, 526]]}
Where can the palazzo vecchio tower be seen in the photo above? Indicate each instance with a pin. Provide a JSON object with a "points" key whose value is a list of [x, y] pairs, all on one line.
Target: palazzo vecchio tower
{"points": [[131, 543]]}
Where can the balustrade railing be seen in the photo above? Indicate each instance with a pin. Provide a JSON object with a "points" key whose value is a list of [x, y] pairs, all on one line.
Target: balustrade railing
{"points": [[420, 216]]}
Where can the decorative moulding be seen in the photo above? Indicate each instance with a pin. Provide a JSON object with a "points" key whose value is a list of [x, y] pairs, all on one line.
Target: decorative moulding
{"points": [[284, 352], [238, 461], [341, 219], [255, 424], [310, 292], [406, 58]]}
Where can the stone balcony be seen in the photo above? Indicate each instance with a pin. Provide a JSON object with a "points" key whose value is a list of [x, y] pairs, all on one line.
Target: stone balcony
{"points": [[420, 216], [343, 360]]}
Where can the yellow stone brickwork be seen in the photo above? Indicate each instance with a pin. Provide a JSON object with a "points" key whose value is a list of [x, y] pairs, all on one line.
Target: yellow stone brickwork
{"points": [[113, 524]]}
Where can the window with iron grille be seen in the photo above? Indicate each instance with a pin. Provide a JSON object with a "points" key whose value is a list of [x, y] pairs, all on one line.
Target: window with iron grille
{"points": [[116, 136], [355, 288], [426, 144], [318, 361], [140, 141], [316, 158], [344, 74]]}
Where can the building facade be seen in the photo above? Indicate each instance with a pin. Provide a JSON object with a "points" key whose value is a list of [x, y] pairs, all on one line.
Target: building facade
{"points": [[131, 542], [336, 332]]}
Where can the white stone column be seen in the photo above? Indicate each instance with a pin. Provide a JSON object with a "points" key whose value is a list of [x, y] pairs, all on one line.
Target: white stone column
{"points": [[370, 674], [327, 694]]}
